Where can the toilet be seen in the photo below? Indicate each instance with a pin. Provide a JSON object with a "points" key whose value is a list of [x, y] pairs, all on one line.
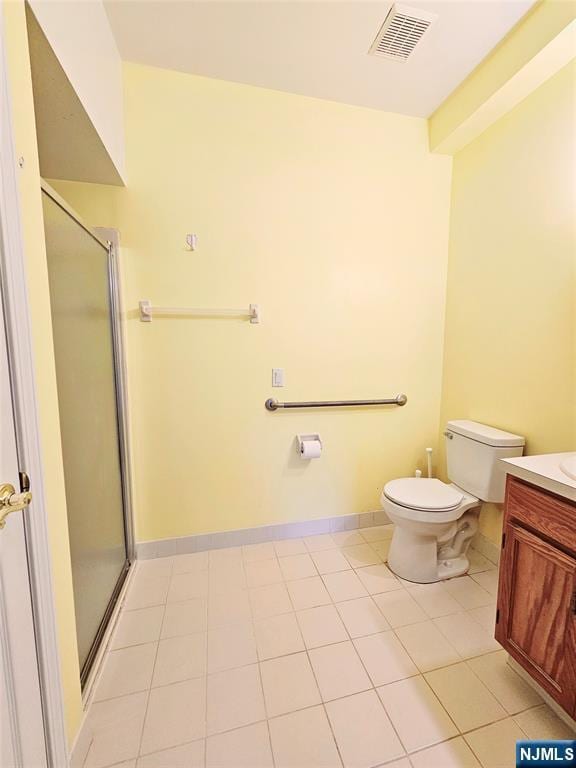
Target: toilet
{"points": [[435, 521]]}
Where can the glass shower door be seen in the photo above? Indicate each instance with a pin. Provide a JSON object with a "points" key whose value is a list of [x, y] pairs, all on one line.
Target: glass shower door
{"points": [[78, 270]]}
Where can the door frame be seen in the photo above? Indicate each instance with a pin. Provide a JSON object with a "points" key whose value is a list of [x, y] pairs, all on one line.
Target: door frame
{"points": [[20, 353]]}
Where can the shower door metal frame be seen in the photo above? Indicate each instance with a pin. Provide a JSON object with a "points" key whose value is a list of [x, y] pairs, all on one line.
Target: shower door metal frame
{"points": [[109, 240]]}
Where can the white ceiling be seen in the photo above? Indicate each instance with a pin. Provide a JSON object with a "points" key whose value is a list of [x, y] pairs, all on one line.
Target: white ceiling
{"points": [[314, 47]]}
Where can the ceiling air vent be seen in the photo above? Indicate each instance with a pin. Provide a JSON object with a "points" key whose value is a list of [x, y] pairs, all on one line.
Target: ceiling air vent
{"points": [[401, 32]]}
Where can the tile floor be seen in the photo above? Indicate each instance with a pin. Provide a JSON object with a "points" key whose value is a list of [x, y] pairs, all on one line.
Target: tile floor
{"points": [[308, 653]]}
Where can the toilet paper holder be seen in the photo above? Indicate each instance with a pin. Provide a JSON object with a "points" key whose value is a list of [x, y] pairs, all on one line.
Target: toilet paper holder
{"points": [[301, 439]]}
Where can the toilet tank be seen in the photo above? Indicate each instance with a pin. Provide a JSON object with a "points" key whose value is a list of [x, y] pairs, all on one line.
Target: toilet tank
{"points": [[472, 453]]}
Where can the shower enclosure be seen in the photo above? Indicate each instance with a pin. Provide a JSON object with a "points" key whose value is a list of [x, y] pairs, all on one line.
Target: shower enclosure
{"points": [[83, 295]]}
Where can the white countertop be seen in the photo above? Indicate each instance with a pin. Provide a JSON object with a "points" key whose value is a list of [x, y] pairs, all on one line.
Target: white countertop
{"points": [[544, 471]]}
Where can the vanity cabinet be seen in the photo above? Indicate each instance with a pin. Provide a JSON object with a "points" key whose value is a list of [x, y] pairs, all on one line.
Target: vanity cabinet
{"points": [[536, 614]]}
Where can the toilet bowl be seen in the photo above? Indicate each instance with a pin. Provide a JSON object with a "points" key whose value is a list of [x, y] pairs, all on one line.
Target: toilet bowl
{"points": [[428, 516], [435, 521]]}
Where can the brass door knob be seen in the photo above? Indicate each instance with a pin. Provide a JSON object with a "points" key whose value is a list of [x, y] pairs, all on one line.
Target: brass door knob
{"points": [[10, 501]]}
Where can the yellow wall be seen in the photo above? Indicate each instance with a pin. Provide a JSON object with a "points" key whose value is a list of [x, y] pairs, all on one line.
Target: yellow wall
{"points": [[510, 322], [38, 293], [335, 220], [533, 33]]}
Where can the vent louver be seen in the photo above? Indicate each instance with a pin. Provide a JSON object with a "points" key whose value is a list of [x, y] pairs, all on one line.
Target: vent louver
{"points": [[401, 32]]}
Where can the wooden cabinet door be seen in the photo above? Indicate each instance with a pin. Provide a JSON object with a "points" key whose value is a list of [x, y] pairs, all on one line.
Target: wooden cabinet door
{"points": [[536, 622]]}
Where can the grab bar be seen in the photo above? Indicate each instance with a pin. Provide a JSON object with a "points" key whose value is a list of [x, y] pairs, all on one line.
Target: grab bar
{"points": [[273, 405]]}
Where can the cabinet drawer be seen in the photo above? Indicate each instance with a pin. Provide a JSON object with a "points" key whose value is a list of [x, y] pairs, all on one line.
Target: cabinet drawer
{"points": [[542, 511]]}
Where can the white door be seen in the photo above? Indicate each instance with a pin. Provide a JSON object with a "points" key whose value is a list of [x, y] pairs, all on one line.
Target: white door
{"points": [[22, 740]]}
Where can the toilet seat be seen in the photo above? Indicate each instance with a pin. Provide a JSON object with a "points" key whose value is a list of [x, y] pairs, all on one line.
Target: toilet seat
{"points": [[426, 494]]}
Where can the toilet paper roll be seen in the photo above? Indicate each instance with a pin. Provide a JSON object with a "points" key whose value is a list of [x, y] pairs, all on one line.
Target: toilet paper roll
{"points": [[310, 449]]}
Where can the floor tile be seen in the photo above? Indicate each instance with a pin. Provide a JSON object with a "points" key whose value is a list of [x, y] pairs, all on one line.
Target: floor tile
{"points": [[297, 567], [116, 726], [338, 670], [468, 593], [449, 754], [304, 740], [378, 578], [231, 647], [485, 616], [226, 608], [319, 543], [330, 561], [399, 608], [416, 714], [287, 547], [382, 548], [192, 563], [466, 699], [270, 600], [488, 580], [176, 714], [185, 618], [435, 600], [188, 586], [289, 684], [278, 636], [321, 625], [247, 747], [251, 553], [495, 745], [377, 533], [344, 586], [361, 555], [427, 646], [146, 592], [226, 556], [157, 566], [385, 658], [127, 670], [362, 617], [186, 756], [543, 723], [466, 635], [308, 593], [180, 658], [363, 731], [136, 627], [227, 578], [478, 562], [403, 763], [507, 686], [347, 538], [234, 699], [263, 572]]}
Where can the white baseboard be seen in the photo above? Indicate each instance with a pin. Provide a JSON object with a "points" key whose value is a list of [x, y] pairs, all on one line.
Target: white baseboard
{"points": [[183, 545]]}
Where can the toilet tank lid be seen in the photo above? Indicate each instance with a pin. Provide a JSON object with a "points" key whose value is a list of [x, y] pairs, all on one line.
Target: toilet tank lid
{"points": [[485, 434]]}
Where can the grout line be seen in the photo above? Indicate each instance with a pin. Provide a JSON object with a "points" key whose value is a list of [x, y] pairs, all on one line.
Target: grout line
{"points": [[266, 713], [306, 650], [153, 669]]}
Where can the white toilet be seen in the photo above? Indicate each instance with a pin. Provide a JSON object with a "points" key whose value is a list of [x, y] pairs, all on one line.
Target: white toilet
{"points": [[435, 521]]}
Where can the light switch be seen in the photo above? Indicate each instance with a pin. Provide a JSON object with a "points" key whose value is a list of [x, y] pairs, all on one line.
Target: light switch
{"points": [[277, 377]]}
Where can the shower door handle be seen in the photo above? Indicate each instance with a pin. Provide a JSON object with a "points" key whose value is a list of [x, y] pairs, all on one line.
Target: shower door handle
{"points": [[10, 501]]}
